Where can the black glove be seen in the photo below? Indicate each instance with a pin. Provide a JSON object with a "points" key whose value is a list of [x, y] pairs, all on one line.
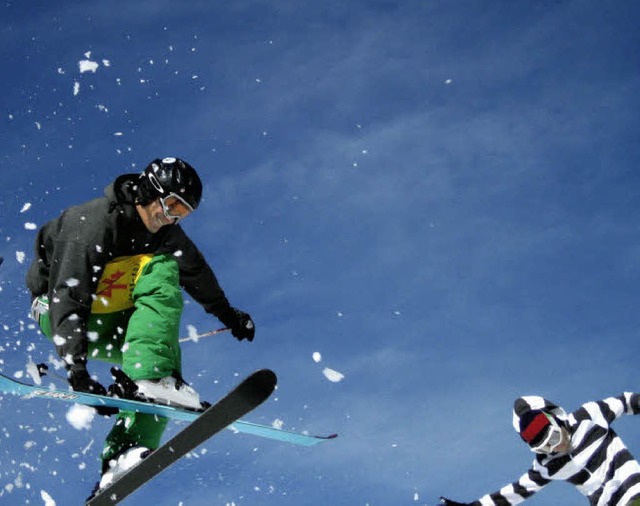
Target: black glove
{"points": [[239, 322], [123, 387], [80, 381], [448, 502]]}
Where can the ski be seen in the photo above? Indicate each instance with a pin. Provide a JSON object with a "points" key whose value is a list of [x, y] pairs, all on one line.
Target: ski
{"points": [[248, 395], [12, 386]]}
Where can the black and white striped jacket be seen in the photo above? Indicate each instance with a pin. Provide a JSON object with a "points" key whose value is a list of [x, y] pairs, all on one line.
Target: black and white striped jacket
{"points": [[599, 464]]}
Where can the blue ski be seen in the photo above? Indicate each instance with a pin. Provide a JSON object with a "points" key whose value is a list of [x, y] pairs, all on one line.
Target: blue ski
{"points": [[11, 386]]}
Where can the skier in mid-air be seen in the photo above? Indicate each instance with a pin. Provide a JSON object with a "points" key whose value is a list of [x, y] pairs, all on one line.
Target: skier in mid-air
{"points": [[580, 448], [106, 284]]}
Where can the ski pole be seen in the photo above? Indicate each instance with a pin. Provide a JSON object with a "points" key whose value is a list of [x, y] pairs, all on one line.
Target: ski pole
{"points": [[206, 334]]}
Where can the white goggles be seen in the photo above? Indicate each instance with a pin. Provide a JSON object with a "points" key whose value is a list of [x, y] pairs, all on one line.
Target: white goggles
{"points": [[175, 207], [552, 440]]}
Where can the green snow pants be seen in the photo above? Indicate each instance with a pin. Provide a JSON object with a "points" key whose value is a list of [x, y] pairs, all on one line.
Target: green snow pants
{"points": [[134, 322]]}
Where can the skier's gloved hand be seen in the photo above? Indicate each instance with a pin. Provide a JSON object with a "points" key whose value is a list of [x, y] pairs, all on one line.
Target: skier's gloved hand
{"points": [[123, 386], [448, 502], [80, 381], [239, 322]]}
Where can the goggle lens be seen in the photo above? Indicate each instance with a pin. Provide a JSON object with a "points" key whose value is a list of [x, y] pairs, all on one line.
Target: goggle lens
{"points": [[175, 207], [551, 441]]}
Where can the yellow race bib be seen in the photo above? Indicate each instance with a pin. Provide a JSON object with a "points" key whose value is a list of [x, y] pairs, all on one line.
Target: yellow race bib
{"points": [[117, 282]]}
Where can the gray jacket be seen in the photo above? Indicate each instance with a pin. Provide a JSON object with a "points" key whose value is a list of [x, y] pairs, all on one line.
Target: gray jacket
{"points": [[72, 250]]}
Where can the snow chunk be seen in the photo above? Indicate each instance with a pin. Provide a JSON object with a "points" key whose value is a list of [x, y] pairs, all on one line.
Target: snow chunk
{"points": [[57, 363], [30, 226], [192, 333], [332, 375], [80, 416], [59, 340], [25, 207], [20, 256], [317, 356], [88, 66], [48, 501], [32, 371]]}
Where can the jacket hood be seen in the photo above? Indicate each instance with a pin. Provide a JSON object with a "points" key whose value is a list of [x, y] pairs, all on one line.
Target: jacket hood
{"points": [[123, 190], [528, 403]]}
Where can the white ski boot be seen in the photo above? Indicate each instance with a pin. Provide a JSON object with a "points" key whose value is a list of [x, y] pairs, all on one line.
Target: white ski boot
{"points": [[123, 463], [170, 391]]}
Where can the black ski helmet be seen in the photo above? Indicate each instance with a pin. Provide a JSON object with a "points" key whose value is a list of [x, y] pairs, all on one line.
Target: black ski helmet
{"points": [[170, 175]]}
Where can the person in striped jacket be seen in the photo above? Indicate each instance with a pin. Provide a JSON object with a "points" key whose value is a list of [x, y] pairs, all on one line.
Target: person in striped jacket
{"points": [[580, 448]]}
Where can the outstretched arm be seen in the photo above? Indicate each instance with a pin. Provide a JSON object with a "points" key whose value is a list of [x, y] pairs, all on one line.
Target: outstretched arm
{"points": [[515, 493], [196, 275], [610, 408], [201, 283]]}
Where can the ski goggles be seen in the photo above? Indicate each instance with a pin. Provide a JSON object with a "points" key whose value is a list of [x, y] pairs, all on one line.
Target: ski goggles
{"points": [[175, 207], [552, 439]]}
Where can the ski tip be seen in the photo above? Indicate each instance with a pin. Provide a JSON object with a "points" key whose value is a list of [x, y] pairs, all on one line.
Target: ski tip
{"points": [[267, 376], [262, 382]]}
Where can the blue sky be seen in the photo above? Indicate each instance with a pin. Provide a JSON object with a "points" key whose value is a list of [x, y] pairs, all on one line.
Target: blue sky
{"points": [[441, 198]]}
